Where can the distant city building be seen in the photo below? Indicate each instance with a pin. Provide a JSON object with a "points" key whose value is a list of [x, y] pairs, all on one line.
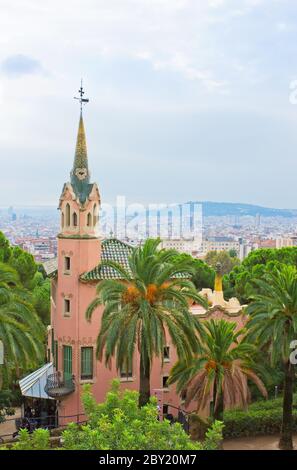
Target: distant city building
{"points": [[191, 247], [265, 243], [244, 249], [283, 242], [219, 244]]}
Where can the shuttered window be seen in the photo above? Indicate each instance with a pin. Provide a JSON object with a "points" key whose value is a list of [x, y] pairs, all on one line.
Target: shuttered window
{"points": [[86, 363], [67, 362], [126, 370]]}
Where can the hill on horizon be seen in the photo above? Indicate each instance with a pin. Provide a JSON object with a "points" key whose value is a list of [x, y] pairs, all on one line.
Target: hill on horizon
{"points": [[238, 209]]}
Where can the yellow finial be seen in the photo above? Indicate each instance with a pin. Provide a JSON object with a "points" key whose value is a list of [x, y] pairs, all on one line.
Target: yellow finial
{"points": [[218, 286]]}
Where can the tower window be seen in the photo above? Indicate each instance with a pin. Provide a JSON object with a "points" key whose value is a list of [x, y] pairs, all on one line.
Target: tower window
{"points": [[67, 215], [166, 354], [66, 307], [62, 220], [164, 381], [67, 263], [74, 219]]}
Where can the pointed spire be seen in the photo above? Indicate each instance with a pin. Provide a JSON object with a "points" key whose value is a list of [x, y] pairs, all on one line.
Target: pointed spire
{"points": [[81, 155], [80, 176]]}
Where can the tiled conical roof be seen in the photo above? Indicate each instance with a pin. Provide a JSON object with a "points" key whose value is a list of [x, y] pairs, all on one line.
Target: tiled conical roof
{"points": [[80, 177]]}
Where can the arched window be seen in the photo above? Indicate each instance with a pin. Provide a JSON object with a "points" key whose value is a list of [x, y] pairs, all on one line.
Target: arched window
{"points": [[62, 220], [67, 215], [74, 219], [95, 215], [89, 219]]}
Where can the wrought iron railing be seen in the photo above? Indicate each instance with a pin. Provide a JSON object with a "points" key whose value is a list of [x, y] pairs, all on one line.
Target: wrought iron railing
{"points": [[59, 386]]}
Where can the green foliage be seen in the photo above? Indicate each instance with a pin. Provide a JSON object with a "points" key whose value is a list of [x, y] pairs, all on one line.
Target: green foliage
{"points": [[24, 264], [262, 418], [224, 258], [213, 437], [5, 250], [238, 283], [29, 280], [6, 397], [219, 369], [21, 331], [119, 424], [41, 299], [203, 275], [38, 440], [273, 312]]}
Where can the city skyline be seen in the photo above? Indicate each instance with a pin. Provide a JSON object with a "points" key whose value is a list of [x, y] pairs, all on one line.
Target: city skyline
{"points": [[189, 100]]}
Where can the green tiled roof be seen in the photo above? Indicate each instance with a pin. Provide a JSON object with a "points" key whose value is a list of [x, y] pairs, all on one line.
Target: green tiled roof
{"points": [[112, 250]]}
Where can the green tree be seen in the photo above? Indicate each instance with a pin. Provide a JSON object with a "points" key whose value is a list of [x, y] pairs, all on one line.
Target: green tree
{"points": [[233, 253], [21, 331], [41, 300], [273, 323], [220, 370], [39, 440], [226, 261], [150, 303], [24, 264], [203, 275], [5, 250], [119, 424], [238, 283]]}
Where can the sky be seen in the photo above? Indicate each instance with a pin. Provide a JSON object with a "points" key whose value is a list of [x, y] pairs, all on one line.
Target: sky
{"points": [[189, 99]]}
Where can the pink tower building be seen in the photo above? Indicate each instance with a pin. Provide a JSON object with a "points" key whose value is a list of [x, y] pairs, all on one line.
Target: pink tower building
{"points": [[71, 338]]}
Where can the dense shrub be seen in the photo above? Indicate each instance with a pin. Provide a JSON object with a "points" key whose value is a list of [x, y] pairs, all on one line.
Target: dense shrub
{"points": [[119, 424], [262, 418]]}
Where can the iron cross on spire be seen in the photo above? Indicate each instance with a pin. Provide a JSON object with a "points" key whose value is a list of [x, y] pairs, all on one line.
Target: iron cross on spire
{"points": [[81, 99]]}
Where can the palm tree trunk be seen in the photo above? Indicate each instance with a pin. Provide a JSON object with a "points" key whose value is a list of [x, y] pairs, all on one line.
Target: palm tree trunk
{"points": [[144, 386], [286, 441], [219, 410], [218, 397]]}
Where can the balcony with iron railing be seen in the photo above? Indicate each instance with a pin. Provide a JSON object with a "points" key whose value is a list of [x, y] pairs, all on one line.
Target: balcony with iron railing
{"points": [[58, 386]]}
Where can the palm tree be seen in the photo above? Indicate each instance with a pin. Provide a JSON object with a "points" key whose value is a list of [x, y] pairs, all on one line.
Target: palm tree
{"points": [[21, 331], [150, 303], [273, 323], [218, 372]]}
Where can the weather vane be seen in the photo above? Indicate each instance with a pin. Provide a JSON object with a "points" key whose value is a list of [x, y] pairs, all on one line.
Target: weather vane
{"points": [[81, 99]]}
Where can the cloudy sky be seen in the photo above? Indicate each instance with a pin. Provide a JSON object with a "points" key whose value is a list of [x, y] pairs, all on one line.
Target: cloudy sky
{"points": [[189, 99]]}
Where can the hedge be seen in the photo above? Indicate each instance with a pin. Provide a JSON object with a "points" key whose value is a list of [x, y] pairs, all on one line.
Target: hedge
{"points": [[261, 418]]}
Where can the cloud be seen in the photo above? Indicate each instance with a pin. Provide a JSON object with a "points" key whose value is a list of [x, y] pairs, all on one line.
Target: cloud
{"points": [[19, 65], [148, 60]]}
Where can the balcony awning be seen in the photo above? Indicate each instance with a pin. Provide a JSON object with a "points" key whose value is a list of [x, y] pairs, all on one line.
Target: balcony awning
{"points": [[33, 384]]}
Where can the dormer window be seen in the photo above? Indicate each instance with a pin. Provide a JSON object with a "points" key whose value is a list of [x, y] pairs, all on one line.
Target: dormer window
{"points": [[89, 219], [67, 215], [74, 219], [95, 215]]}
